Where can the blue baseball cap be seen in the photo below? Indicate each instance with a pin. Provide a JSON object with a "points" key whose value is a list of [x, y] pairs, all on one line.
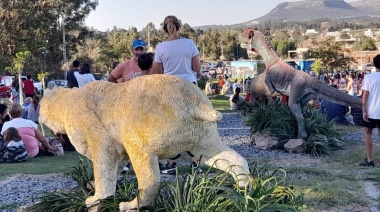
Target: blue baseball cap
{"points": [[138, 43]]}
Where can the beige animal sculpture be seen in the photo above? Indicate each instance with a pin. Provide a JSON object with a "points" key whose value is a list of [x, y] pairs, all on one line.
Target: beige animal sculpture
{"points": [[146, 119]]}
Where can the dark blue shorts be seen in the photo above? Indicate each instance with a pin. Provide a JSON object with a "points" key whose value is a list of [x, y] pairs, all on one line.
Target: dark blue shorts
{"points": [[373, 123]]}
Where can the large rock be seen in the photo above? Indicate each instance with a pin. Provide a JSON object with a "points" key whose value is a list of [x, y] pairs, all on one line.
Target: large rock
{"points": [[295, 145], [264, 141]]}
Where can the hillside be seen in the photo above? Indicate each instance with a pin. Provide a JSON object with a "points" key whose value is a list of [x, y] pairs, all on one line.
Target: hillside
{"points": [[314, 9], [368, 6], [309, 10]]}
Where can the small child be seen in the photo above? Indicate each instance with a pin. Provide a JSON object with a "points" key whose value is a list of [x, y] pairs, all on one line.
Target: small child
{"points": [[145, 62], [27, 102], [15, 148]]}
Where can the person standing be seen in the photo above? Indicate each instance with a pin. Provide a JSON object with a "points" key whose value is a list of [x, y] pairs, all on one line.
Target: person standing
{"points": [[220, 84], [370, 107], [15, 96], [34, 110], [179, 57], [29, 87], [352, 85], [176, 56], [71, 80], [129, 69], [84, 76]]}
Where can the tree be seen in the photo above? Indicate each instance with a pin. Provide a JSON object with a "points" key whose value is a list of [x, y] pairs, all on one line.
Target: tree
{"points": [[34, 24], [344, 35], [366, 43], [18, 67], [329, 53], [283, 46], [317, 67]]}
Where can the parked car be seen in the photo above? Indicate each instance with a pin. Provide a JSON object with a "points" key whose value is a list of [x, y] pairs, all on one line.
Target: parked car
{"points": [[100, 77], [6, 86], [61, 83]]}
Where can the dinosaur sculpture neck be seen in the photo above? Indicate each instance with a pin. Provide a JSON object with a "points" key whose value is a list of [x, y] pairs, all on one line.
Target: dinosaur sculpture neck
{"points": [[262, 45]]}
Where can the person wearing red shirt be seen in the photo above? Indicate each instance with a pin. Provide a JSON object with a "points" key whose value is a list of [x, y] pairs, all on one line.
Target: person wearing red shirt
{"points": [[29, 87]]}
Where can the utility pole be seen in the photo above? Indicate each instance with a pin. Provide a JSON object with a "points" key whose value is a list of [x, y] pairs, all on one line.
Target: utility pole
{"points": [[148, 38], [62, 21]]}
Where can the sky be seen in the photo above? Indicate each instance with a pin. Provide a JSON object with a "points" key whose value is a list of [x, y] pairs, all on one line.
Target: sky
{"points": [[138, 13]]}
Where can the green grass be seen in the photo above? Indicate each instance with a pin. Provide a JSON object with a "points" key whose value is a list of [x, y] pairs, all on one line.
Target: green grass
{"points": [[41, 165], [221, 103]]}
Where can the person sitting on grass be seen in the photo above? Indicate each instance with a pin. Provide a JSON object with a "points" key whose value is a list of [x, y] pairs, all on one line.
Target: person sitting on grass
{"points": [[235, 98], [334, 111], [29, 133], [34, 110], [15, 150]]}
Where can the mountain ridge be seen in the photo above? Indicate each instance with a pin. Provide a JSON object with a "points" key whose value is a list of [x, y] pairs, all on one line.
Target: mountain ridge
{"points": [[320, 9]]}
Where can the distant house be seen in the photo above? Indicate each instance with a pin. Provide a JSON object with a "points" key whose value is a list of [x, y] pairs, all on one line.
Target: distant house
{"points": [[311, 31], [369, 33]]}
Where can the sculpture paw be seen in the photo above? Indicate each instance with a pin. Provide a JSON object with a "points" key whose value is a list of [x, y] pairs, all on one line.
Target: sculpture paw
{"points": [[127, 206], [91, 201]]}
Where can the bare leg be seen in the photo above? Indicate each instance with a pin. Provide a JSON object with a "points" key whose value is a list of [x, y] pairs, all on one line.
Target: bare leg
{"points": [[368, 143]]}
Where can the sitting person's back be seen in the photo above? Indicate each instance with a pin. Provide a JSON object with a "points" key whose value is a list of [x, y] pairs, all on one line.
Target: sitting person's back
{"points": [[235, 98], [334, 111], [15, 149]]}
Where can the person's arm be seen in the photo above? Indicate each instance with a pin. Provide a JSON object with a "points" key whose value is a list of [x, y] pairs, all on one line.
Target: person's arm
{"points": [[111, 78], [92, 77], [349, 86], [44, 141], [196, 64], [29, 111], [157, 68], [364, 105]]}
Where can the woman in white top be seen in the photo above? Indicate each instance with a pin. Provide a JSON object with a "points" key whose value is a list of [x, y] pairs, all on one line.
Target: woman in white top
{"points": [[84, 76], [352, 85], [34, 110], [176, 56]]}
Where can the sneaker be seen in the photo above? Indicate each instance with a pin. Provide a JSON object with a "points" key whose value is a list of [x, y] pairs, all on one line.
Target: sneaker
{"points": [[126, 168], [194, 165], [169, 169], [366, 163]]}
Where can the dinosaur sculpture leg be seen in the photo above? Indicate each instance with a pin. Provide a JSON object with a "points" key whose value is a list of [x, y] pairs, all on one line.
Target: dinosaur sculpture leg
{"points": [[295, 107]]}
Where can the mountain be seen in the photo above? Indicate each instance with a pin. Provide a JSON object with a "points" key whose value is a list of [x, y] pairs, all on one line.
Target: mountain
{"points": [[370, 6], [320, 9]]}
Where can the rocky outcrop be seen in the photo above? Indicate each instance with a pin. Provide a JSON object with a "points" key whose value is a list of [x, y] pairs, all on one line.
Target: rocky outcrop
{"points": [[320, 9]]}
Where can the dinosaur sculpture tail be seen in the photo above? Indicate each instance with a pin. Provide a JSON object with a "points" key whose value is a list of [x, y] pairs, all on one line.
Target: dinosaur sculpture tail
{"points": [[335, 95], [207, 113]]}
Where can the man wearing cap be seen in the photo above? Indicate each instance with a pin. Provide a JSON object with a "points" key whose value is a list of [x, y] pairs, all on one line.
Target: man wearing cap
{"points": [[129, 69]]}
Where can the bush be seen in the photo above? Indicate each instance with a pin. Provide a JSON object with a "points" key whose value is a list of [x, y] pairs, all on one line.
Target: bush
{"points": [[194, 192], [203, 192], [276, 119]]}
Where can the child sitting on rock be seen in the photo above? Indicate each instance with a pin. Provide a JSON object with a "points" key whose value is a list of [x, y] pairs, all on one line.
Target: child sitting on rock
{"points": [[15, 148]]}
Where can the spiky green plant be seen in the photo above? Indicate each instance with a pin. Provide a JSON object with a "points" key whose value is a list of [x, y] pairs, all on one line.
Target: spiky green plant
{"points": [[219, 192], [276, 119], [193, 192]]}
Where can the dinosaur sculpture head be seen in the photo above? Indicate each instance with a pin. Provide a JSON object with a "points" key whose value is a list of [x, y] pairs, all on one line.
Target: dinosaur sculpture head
{"points": [[245, 38], [254, 40]]}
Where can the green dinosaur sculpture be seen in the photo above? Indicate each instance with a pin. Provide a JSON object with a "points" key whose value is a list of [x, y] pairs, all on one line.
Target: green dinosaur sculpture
{"points": [[299, 86]]}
